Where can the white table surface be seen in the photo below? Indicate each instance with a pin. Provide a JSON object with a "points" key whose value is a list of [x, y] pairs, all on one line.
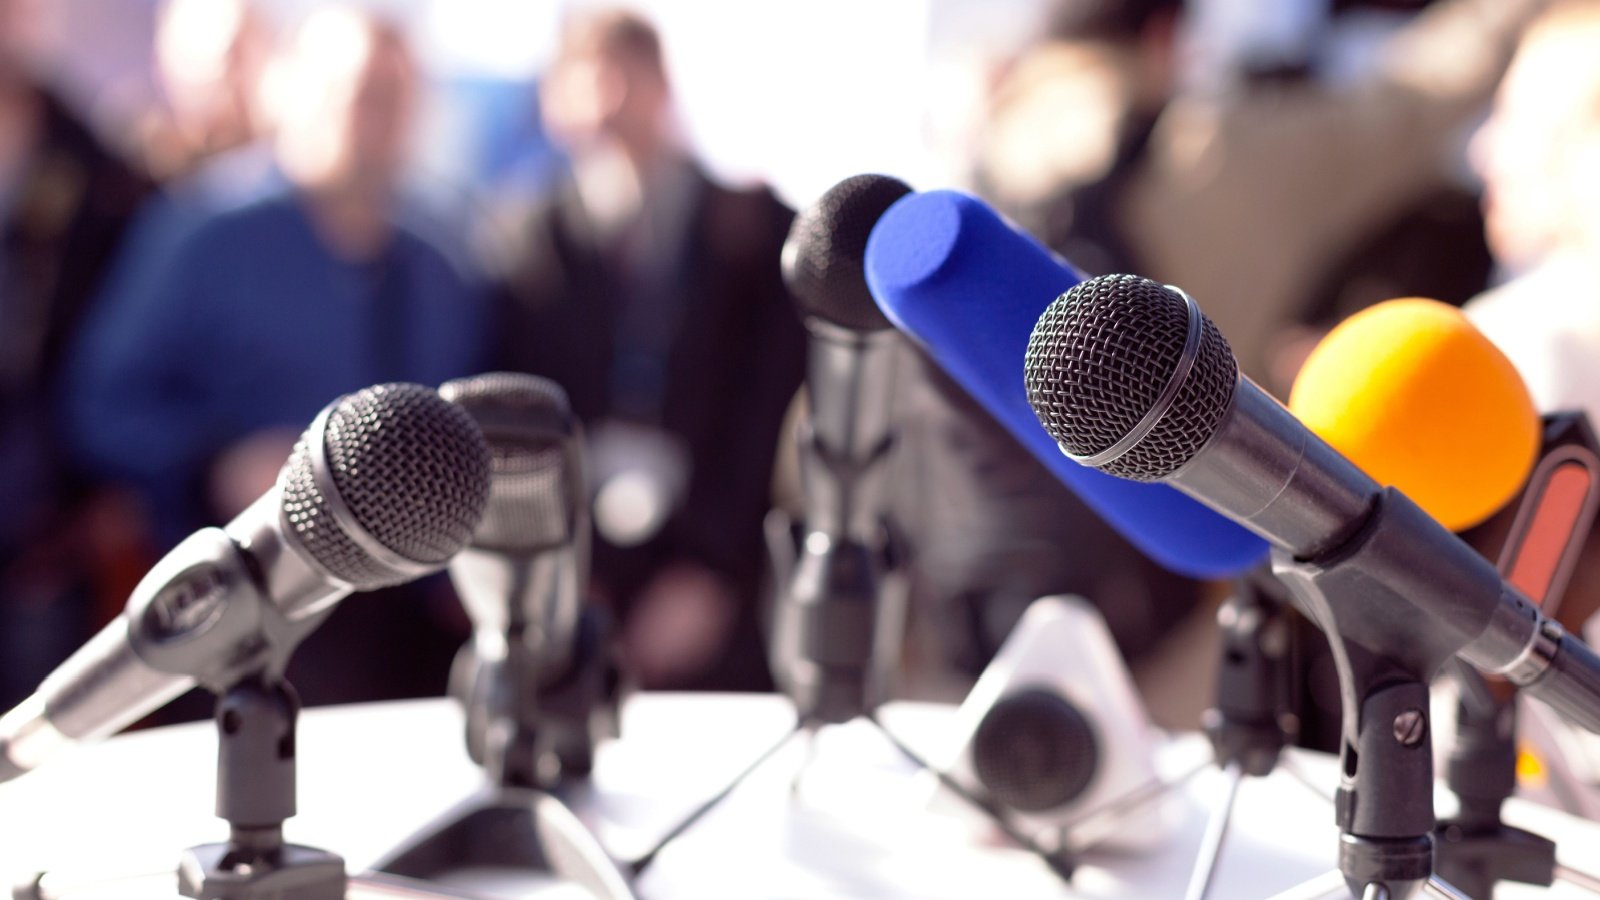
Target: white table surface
{"points": [[858, 826]]}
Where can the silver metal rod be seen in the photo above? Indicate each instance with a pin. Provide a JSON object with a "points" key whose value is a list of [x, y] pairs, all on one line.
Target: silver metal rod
{"points": [[1134, 799], [807, 734], [1327, 886], [1440, 889], [1375, 891], [1205, 864], [1292, 766], [1578, 878]]}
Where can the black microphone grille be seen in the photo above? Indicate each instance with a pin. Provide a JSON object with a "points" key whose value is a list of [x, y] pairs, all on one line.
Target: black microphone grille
{"points": [[823, 257], [1100, 360], [535, 481], [397, 488]]}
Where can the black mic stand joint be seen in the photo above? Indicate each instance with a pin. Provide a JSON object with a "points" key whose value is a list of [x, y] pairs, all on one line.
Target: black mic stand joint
{"points": [[1250, 724], [1384, 805], [1475, 848], [255, 795], [1387, 651]]}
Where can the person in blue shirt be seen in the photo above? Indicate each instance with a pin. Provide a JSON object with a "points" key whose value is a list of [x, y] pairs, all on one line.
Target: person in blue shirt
{"points": [[193, 383]]}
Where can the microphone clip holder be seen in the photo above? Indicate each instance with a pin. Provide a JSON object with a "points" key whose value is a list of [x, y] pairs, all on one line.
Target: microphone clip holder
{"points": [[255, 795], [1385, 663], [529, 731], [213, 622], [1250, 724]]}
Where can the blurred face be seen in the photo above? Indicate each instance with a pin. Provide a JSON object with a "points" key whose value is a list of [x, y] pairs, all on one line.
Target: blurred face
{"points": [[382, 98], [347, 115], [591, 95], [1539, 153], [210, 55], [32, 32], [578, 96]]}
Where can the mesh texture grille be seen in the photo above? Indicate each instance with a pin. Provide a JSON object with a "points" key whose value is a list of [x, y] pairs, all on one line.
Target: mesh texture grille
{"points": [[1098, 360], [533, 444], [822, 259], [1035, 751], [413, 470]]}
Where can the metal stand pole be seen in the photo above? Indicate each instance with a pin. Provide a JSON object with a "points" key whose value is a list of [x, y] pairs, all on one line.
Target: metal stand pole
{"points": [[255, 794], [1216, 832]]}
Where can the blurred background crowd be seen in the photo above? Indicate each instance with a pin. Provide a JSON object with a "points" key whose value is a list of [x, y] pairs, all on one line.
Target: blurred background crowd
{"points": [[217, 215]]}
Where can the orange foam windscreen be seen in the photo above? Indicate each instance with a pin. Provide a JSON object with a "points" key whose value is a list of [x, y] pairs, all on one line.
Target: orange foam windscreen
{"points": [[1418, 398]]}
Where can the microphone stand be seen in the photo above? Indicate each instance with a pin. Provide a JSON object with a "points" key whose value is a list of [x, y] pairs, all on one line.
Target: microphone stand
{"points": [[1385, 663], [1251, 724], [255, 795], [175, 628], [1475, 848], [860, 604], [535, 738], [838, 629]]}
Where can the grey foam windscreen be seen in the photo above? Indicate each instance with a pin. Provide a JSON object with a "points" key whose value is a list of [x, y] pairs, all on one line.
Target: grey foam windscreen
{"points": [[1098, 361], [412, 470], [823, 256], [533, 439]]}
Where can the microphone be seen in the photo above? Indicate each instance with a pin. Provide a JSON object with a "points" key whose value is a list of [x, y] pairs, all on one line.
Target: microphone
{"points": [[1129, 377], [827, 619], [1417, 396], [522, 577], [385, 486], [968, 287]]}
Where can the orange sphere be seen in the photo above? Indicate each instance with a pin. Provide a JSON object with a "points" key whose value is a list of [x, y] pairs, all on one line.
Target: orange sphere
{"points": [[1418, 398]]}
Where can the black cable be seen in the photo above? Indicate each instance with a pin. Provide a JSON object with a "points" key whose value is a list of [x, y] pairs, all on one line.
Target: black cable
{"points": [[637, 867], [1060, 861]]}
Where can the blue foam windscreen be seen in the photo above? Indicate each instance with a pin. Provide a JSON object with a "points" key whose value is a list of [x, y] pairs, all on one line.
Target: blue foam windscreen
{"points": [[966, 286]]}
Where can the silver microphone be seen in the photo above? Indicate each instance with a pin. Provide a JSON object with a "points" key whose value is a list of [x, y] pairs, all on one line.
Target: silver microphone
{"points": [[385, 486], [1130, 378], [523, 577]]}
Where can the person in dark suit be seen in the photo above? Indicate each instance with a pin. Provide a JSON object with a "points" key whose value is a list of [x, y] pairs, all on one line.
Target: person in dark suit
{"points": [[653, 295], [65, 200]]}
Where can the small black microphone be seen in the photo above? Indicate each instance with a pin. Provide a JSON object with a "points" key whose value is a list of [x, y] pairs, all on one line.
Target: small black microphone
{"points": [[384, 486], [826, 626]]}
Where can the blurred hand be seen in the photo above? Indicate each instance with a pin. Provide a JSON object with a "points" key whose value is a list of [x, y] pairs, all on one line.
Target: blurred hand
{"points": [[679, 625], [244, 471]]}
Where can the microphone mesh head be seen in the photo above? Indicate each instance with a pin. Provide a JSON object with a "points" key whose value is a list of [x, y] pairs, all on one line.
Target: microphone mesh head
{"points": [[822, 259], [412, 469], [1099, 359], [534, 480]]}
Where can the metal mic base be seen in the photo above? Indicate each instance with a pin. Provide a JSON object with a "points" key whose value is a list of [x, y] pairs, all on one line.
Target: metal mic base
{"points": [[218, 872], [1474, 860], [1475, 848], [527, 832]]}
